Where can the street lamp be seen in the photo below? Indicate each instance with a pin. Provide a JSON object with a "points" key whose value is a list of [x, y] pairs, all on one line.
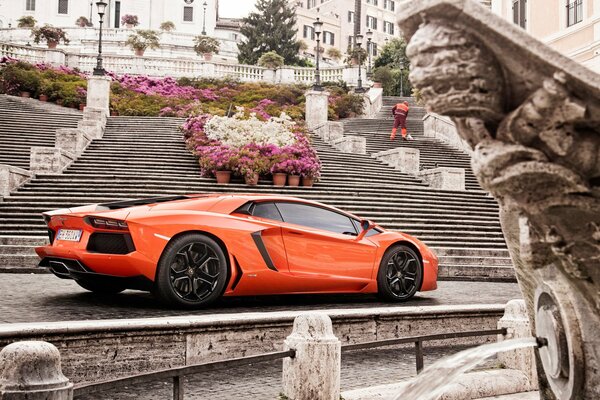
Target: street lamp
{"points": [[318, 25], [204, 19], [369, 36], [359, 88], [99, 71], [401, 79]]}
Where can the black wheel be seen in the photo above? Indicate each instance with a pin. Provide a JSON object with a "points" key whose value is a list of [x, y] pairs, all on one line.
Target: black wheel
{"points": [[400, 273], [192, 272], [101, 287]]}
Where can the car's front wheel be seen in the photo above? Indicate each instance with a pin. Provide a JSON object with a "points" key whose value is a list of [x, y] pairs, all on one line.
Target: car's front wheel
{"points": [[192, 272], [400, 273]]}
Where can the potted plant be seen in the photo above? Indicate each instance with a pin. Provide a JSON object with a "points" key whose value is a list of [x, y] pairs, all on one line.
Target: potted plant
{"points": [[83, 22], [218, 161], [143, 39], [167, 26], [130, 21], [294, 170], [206, 46], [334, 54], [29, 83], [50, 34], [354, 54], [251, 165], [271, 60], [302, 46], [279, 172], [26, 21]]}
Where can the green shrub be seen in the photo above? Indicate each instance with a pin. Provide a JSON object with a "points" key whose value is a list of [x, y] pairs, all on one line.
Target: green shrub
{"points": [[26, 21], [271, 60], [143, 39], [167, 26]]}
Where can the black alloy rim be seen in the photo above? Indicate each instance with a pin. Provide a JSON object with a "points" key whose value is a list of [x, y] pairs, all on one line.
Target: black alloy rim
{"points": [[194, 273], [401, 274]]}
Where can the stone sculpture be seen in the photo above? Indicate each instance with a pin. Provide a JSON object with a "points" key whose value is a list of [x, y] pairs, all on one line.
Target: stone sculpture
{"points": [[533, 119]]}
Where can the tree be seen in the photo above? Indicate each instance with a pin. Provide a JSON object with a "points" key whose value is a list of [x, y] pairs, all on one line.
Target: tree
{"points": [[270, 28], [392, 67]]}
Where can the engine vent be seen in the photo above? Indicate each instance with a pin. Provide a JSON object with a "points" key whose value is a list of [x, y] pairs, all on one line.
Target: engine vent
{"points": [[110, 243]]}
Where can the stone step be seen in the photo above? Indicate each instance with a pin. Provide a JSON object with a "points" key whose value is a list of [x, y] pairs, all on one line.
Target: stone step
{"points": [[27, 241]]}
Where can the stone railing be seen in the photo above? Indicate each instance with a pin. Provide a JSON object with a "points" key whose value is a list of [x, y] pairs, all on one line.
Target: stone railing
{"points": [[443, 128], [176, 66]]}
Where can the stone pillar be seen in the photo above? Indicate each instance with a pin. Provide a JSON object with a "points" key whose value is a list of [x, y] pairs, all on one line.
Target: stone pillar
{"points": [[49, 160], [94, 114], [444, 178], [405, 159], [316, 108], [516, 322], [351, 144], [270, 76], [285, 75], [315, 371], [73, 140], [98, 93], [55, 58], [11, 178], [32, 371]]}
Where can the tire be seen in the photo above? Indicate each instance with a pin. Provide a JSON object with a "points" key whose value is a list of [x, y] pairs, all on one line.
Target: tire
{"points": [[192, 272], [400, 274], [101, 287]]}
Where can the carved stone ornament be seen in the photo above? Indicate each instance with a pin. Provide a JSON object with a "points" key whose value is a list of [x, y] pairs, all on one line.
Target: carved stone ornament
{"points": [[533, 119]]}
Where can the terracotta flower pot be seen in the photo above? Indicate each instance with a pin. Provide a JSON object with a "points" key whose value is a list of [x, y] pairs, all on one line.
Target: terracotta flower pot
{"points": [[81, 106], [252, 180], [279, 179], [377, 85], [43, 97], [208, 56], [223, 176], [128, 26], [114, 113], [59, 102], [52, 44], [25, 94], [308, 182], [139, 52], [293, 180]]}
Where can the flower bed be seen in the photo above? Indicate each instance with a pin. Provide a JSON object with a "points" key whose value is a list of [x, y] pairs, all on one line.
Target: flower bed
{"points": [[249, 146]]}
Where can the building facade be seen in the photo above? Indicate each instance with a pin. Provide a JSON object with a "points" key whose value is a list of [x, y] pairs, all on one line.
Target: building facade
{"points": [[571, 27], [189, 16]]}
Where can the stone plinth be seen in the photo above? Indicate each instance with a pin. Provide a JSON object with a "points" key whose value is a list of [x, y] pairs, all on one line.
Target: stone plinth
{"points": [[11, 178], [404, 159], [32, 371], [314, 373], [350, 144], [316, 108], [93, 129], [98, 93], [49, 160], [444, 178], [330, 131], [516, 322], [72, 140], [55, 58], [94, 114]]}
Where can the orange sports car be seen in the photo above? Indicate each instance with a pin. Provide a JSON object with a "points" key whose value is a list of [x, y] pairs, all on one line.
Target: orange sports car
{"points": [[191, 250]]}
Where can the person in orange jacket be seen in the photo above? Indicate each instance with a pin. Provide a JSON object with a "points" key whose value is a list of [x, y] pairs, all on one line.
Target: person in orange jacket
{"points": [[400, 113]]}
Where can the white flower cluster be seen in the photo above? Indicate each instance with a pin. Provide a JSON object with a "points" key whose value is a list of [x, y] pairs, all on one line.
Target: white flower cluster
{"points": [[237, 132]]}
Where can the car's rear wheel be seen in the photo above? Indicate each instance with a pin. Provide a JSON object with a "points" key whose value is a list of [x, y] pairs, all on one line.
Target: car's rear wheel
{"points": [[192, 272], [400, 273], [101, 287]]}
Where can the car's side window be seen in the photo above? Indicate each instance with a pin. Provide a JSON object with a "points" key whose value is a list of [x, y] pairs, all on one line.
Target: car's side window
{"points": [[316, 217], [267, 211]]}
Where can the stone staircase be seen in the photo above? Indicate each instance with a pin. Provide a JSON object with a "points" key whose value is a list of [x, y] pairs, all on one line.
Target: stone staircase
{"points": [[140, 157], [26, 124]]}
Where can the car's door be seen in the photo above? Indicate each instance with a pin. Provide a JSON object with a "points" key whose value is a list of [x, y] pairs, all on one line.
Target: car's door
{"points": [[322, 248]]}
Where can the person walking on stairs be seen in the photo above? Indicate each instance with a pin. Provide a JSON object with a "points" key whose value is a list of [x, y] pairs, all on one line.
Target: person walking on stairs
{"points": [[400, 113]]}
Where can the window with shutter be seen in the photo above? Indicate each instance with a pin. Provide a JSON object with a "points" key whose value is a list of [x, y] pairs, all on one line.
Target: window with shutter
{"points": [[574, 12], [520, 13], [63, 6], [30, 5], [188, 14]]}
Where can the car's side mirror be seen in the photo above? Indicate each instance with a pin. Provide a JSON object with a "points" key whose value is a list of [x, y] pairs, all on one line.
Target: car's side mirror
{"points": [[366, 226]]}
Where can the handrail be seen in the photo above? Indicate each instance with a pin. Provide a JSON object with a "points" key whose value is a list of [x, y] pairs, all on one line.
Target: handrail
{"points": [[178, 373]]}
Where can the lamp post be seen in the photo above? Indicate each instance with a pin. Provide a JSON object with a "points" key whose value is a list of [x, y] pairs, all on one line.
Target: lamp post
{"points": [[401, 79], [91, 11], [99, 71], [369, 36], [204, 19], [359, 87], [318, 26]]}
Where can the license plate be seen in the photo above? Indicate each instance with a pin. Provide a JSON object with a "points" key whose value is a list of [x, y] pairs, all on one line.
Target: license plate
{"points": [[70, 235]]}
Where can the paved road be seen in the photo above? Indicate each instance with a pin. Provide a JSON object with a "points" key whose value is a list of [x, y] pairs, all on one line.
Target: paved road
{"points": [[44, 298]]}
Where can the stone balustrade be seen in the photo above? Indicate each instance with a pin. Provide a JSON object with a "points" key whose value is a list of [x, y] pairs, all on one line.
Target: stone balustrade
{"points": [[444, 178], [330, 131], [11, 178], [72, 140], [404, 159], [49, 160], [350, 144], [442, 128]]}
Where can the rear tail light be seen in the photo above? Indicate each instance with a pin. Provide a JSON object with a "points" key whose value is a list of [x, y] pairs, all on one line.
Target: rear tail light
{"points": [[108, 224]]}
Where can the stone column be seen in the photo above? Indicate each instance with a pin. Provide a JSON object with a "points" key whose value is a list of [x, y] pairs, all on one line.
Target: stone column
{"points": [[316, 108], [532, 117], [32, 371], [98, 93], [55, 58], [516, 322], [315, 371]]}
